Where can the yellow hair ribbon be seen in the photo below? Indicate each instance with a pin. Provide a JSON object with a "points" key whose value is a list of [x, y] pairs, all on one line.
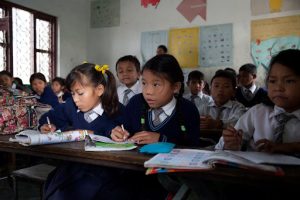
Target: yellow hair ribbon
{"points": [[102, 69], [84, 62]]}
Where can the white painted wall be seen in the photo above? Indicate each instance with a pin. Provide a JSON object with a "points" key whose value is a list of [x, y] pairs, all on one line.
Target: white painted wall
{"points": [[73, 25], [106, 45]]}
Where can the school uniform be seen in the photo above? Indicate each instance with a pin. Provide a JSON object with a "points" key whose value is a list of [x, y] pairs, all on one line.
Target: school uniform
{"points": [[185, 113], [48, 97], [199, 100], [176, 113], [260, 123], [78, 180], [252, 96], [122, 91], [229, 113]]}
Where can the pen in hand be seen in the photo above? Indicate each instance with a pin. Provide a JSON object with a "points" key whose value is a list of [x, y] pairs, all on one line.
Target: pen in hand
{"points": [[49, 124], [124, 136]]}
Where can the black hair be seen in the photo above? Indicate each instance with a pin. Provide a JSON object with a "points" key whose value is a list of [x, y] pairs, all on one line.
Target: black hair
{"points": [[6, 73], [225, 74], [163, 47], [60, 80], [249, 68], [166, 66], [132, 59], [195, 75], [37, 75], [289, 58], [86, 74], [231, 70], [18, 81]]}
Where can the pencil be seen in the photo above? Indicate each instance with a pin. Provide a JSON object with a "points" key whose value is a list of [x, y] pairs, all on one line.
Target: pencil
{"points": [[124, 136], [49, 124]]}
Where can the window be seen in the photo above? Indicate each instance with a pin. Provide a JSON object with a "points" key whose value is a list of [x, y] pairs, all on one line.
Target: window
{"points": [[27, 41]]}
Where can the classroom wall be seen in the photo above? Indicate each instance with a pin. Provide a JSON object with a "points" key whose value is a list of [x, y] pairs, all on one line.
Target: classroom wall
{"points": [[106, 45], [73, 18]]}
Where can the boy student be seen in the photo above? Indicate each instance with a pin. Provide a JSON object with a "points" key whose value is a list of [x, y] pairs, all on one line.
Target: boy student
{"points": [[196, 85], [248, 93], [221, 111], [161, 49], [128, 73]]}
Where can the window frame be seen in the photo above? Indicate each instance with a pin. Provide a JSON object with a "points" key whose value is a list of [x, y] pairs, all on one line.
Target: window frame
{"points": [[7, 6]]}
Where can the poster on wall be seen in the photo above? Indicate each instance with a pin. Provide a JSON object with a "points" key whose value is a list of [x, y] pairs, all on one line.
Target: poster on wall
{"points": [[183, 44], [259, 7], [216, 45], [105, 13], [150, 41], [269, 36]]}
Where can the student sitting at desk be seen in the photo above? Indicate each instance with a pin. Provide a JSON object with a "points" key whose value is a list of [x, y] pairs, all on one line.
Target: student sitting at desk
{"points": [[43, 92], [8, 81], [94, 107], [128, 73], [222, 111], [272, 128], [159, 114]]}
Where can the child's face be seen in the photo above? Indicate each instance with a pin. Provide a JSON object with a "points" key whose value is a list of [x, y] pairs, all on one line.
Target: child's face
{"points": [[6, 81], [56, 87], [86, 97], [38, 86], [127, 73], [157, 91], [222, 90], [246, 79], [283, 87], [196, 86]]}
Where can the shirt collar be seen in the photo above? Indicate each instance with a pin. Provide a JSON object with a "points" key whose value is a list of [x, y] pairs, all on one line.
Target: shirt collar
{"points": [[252, 88], [98, 109], [169, 107], [228, 104], [134, 88], [279, 110]]}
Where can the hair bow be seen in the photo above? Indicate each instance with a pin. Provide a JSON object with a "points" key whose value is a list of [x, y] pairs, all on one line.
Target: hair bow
{"points": [[102, 69]]}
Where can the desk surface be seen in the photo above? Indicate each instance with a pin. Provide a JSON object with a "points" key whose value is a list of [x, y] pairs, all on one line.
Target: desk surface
{"points": [[74, 151], [134, 160]]}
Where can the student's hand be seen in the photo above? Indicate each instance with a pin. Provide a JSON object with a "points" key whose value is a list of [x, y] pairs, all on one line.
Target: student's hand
{"points": [[46, 128], [265, 145], [119, 135], [205, 122], [232, 138], [145, 137]]}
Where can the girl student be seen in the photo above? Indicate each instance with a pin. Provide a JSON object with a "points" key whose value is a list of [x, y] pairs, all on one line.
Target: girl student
{"points": [[95, 107], [272, 128], [159, 114], [58, 86], [43, 92]]}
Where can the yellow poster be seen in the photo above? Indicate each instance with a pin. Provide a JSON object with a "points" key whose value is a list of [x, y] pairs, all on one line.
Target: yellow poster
{"points": [[275, 27], [184, 46]]}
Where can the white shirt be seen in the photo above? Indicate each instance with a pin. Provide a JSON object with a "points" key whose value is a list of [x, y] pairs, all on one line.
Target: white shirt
{"points": [[232, 111], [98, 110], [135, 89], [168, 109], [203, 99], [259, 123]]}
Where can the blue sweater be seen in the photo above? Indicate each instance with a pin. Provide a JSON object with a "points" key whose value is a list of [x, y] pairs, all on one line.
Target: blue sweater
{"points": [[48, 97], [260, 96], [65, 117], [185, 113]]}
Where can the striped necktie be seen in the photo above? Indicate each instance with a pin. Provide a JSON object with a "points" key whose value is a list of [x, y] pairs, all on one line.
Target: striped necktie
{"points": [[126, 97], [219, 112], [157, 112], [282, 119]]}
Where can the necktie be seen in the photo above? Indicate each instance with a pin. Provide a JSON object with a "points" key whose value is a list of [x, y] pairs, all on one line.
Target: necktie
{"points": [[248, 94], [194, 98], [282, 119], [219, 112], [126, 98], [87, 116], [157, 112]]}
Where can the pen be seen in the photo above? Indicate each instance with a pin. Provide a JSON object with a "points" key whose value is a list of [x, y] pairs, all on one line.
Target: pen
{"points": [[49, 124], [124, 136]]}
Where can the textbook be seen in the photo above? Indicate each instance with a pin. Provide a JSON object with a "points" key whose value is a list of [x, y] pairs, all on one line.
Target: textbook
{"points": [[101, 143], [34, 137], [195, 159]]}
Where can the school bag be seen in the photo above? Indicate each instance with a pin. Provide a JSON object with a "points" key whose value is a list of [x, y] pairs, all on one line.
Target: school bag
{"points": [[17, 111]]}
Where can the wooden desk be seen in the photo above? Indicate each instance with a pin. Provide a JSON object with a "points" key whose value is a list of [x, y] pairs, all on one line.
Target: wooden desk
{"points": [[74, 151]]}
